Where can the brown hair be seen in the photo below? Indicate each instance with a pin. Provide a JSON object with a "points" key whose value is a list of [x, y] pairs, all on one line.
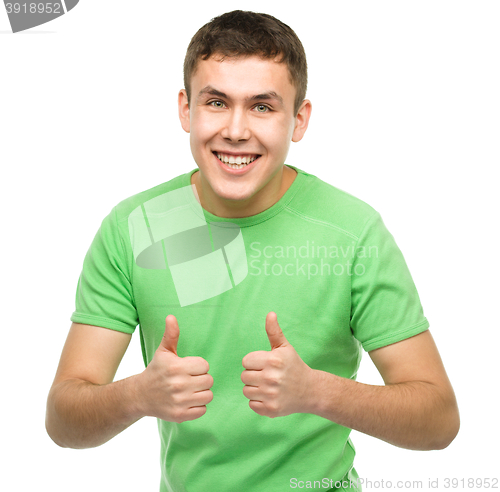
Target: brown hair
{"points": [[243, 33]]}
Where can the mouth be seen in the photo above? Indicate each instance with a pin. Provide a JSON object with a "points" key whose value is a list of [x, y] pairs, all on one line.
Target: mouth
{"points": [[236, 161]]}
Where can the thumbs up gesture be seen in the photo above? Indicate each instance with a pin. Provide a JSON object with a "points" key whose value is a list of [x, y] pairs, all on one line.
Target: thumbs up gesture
{"points": [[174, 388], [278, 382]]}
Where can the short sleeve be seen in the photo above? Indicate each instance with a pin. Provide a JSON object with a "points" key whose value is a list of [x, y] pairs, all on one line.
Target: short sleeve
{"points": [[104, 291], [385, 306]]}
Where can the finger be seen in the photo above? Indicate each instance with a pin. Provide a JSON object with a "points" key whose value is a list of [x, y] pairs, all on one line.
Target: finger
{"points": [[198, 399], [255, 361], [252, 393], [251, 378], [258, 407], [202, 383], [274, 333], [171, 335], [195, 366], [201, 398], [194, 413]]}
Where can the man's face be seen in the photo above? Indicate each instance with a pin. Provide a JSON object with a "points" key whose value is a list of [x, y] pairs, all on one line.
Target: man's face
{"points": [[241, 123]]}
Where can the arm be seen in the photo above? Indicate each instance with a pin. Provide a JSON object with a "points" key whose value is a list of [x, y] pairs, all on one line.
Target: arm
{"points": [[86, 409], [416, 409]]}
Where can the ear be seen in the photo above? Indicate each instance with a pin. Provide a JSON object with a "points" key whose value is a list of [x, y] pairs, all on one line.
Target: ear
{"points": [[184, 110], [302, 120]]}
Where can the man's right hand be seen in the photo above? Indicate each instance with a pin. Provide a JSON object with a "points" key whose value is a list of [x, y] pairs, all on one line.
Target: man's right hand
{"points": [[174, 388]]}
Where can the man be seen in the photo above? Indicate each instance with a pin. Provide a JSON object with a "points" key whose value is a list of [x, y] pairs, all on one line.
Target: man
{"points": [[255, 285]]}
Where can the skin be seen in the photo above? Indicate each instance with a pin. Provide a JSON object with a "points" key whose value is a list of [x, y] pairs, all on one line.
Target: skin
{"points": [[85, 408], [239, 123], [415, 409]]}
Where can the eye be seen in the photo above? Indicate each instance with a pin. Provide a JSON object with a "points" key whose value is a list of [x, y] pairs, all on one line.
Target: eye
{"points": [[262, 108], [217, 104]]}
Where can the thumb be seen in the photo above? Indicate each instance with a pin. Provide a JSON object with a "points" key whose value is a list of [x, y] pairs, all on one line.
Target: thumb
{"points": [[171, 335], [274, 332]]}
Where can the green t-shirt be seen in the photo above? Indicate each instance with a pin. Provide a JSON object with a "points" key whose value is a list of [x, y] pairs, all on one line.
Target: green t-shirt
{"points": [[320, 258]]}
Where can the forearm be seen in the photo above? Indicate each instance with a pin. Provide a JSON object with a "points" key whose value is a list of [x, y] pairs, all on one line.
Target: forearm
{"points": [[412, 415], [81, 414]]}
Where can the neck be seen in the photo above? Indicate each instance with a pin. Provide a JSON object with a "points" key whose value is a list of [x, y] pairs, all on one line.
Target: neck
{"points": [[262, 200]]}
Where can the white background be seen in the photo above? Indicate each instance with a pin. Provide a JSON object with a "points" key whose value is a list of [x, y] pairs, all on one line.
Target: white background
{"points": [[405, 116]]}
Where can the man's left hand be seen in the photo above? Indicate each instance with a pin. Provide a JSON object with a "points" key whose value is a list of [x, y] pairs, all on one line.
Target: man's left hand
{"points": [[278, 382]]}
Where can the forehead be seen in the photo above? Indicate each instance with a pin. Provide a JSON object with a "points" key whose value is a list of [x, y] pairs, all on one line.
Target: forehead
{"points": [[243, 77]]}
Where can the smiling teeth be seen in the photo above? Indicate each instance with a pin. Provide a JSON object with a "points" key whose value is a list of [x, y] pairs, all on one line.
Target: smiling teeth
{"points": [[235, 162]]}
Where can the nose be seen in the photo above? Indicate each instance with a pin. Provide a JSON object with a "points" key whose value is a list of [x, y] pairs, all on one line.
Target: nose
{"points": [[236, 127]]}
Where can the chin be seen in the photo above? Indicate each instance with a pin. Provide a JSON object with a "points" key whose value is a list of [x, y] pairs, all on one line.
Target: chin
{"points": [[234, 197], [231, 191]]}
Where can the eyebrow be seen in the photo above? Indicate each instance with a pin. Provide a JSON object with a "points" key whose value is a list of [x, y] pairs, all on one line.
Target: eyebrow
{"points": [[264, 96]]}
